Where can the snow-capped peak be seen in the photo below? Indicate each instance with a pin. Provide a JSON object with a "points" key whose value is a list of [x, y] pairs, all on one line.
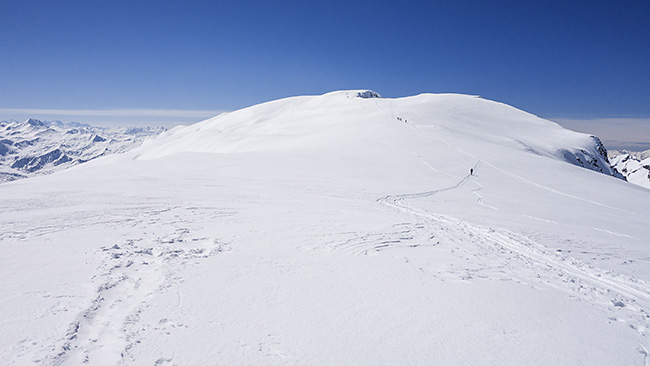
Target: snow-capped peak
{"points": [[35, 146]]}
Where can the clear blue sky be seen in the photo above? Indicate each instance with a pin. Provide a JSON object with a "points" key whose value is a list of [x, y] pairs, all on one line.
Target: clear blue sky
{"points": [[566, 58]]}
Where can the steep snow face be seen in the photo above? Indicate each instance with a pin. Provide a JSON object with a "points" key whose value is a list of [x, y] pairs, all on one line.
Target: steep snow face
{"points": [[635, 168], [332, 230], [35, 147]]}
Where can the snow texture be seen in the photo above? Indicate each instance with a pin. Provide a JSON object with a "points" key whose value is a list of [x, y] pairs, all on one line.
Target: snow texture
{"points": [[330, 230]]}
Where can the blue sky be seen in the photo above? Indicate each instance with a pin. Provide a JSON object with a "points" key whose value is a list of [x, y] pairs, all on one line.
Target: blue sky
{"points": [[577, 60]]}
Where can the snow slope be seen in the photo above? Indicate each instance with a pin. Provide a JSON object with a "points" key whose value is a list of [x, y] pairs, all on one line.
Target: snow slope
{"points": [[328, 230]]}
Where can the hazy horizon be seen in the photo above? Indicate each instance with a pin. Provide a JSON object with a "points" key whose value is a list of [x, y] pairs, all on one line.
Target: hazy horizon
{"points": [[624, 133]]}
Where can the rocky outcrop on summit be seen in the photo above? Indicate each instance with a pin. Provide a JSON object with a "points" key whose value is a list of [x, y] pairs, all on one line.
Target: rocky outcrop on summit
{"points": [[368, 94]]}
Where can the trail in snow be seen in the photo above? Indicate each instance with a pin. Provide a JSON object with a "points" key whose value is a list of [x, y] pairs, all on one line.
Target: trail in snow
{"points": [[480, 197], [427, 193], [620, 294], [133, 272], [510, 174]]}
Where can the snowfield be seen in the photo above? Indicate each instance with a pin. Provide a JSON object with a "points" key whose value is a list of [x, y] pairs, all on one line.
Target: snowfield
{"points": [[342, 229]]}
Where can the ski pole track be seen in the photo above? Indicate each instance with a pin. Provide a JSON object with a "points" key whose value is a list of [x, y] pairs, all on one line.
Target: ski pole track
{"points": [[132, 273]]}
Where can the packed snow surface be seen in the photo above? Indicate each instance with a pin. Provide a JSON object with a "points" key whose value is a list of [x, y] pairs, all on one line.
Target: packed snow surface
{"points": [[342, 229]]}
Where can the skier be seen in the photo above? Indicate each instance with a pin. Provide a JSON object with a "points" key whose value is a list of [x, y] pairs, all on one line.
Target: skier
{"points": [[471, 171]]}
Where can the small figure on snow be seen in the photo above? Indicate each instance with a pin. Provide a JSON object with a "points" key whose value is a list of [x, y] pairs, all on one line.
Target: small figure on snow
{"points": [[471, 171]]}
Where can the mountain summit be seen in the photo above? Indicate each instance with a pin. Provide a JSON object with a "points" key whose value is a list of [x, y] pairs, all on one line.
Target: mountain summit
{"points": [[353, 117]]}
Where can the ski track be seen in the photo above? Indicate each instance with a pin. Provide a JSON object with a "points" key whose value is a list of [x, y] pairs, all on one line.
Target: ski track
{"points": [[480, 198], [512, 175], [625, 298], [515, 176]]}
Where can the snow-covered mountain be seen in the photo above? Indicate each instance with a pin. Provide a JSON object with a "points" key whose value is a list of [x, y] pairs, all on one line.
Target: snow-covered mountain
{"points": [[634, 165], [336, 229], [211, 136], [639, 155], [37, 147]]}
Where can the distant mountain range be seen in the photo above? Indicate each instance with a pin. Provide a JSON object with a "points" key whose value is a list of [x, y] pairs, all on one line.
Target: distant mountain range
{"points": [[634, 165], [40, 147]]}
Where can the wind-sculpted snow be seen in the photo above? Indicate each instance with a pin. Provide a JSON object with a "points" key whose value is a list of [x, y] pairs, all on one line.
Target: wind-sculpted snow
{"points": [[330, 230]]}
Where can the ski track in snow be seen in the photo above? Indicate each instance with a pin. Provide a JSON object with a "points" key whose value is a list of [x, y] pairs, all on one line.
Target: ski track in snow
{"points": [[480, 197], [626, 299], [613, 233], [515, 176], [512, 175]]}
